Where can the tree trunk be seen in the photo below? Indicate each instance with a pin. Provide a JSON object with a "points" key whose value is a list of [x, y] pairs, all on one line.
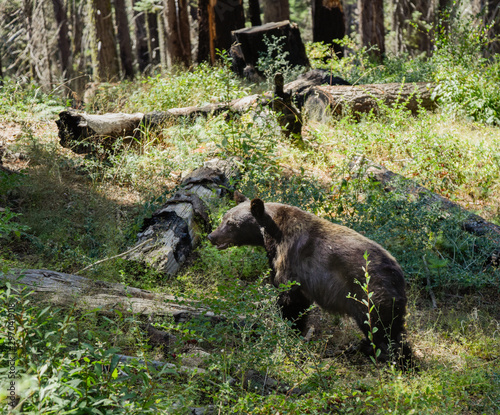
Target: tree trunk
{"points": [[339, 100], [493, 19], [63, 41], [178, 34], [105, 42], [371, 26], [124, 40], [153, 38], [254, 12], [141, 39], [80, 76], [225, 16], [174, 230], [63, 289], [328, 23], [276, 10], [203, 31], [1, 77]]}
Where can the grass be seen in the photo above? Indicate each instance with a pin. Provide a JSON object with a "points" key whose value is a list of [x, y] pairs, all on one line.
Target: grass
{"points": [[66, 211]]}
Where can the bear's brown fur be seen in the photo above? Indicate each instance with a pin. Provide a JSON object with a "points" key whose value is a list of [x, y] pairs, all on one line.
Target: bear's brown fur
{"points": [[326, 259]]}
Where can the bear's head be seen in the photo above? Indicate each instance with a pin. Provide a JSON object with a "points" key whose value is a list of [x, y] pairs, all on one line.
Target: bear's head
{"points": [[239, 225]]}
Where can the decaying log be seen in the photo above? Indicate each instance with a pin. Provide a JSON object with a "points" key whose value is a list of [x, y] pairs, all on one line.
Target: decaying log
{"points": [[338, 100], [471, 223], [174, 230], [66, 290], [81, 132]]}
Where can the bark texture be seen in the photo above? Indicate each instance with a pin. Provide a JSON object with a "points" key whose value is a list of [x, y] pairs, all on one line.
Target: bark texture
{"points": [[338, 100], [169, 236], [107, 57], [178, 35], [328, 23], [276, 10], [371, 25], [124, 40]]}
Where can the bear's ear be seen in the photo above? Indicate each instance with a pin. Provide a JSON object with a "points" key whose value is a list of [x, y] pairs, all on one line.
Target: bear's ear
{"points": [[240, 197], [257, 208]]}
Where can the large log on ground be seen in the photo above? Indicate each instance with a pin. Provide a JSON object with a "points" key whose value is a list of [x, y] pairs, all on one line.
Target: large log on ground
{"points": [[174, 230], [83, 133], [471, 223], [65, 290], [340, 100]]}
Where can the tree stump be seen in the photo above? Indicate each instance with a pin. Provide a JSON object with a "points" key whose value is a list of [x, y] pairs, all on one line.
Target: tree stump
{"points": [[250, 44]]}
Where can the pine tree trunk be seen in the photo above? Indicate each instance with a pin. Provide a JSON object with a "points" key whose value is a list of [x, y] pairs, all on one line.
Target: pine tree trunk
{"points": [[153, 38], [178, 34], [203, 31], [80, 76], [63, 41], [371, 25], [276, 10], [328, 23], [254, 12], [141, 39], [106, 54], [228, 15], [124, 40]]}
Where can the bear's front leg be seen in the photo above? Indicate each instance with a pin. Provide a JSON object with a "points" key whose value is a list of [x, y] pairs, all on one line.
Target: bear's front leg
{"points": [[294, 305]]}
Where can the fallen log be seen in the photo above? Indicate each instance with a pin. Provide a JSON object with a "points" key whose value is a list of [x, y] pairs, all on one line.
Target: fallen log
{"points": [[174, 230], [471, 222], [68, 290], [84, 133], [339, 100]]}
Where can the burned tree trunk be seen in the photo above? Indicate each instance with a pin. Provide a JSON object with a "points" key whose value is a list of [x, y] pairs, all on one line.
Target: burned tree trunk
{"points": [[203, 31], [250, 42], [254, 13], [174, 230], [328, 23]]}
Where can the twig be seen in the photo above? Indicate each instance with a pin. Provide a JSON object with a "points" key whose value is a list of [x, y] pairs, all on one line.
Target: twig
{"points": [[429, 288], [116, 256]]}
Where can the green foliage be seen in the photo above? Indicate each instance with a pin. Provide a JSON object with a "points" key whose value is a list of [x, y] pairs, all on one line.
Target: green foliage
{"points": [[467, 82], [274, 60], [17, 99], [359, 67], [64, 367]]}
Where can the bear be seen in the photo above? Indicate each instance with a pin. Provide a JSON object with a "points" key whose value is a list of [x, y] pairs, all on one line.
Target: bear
{"points": [[327, 261]]}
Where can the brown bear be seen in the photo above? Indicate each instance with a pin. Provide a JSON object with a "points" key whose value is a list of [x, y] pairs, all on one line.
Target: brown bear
{"points": [[326, 260]]}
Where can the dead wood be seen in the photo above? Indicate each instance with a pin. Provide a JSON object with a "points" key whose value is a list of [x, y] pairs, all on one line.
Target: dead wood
{"points": [[85, 294], [471, 223], [169, 236], [338, 100]]}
